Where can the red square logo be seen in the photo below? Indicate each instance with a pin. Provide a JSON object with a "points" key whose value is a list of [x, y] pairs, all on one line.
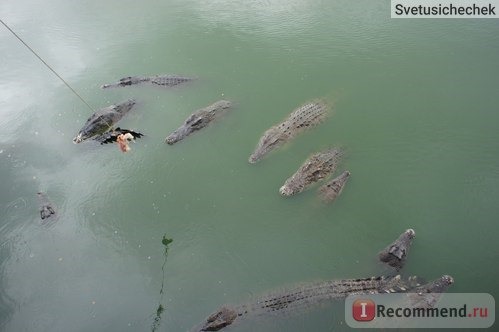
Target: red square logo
{"points": [[363, 310]]}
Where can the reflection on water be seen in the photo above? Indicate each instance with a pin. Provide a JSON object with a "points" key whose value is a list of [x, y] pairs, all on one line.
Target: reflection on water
{"points": [[415, 108]]}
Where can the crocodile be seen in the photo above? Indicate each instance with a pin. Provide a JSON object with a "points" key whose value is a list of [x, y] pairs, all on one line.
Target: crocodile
{"points": [[315, 168], [103, 120], [163, 80], [395, 254], [419, 296], [46, 208], [198, 120], [302, 297], [426, 296], [315, 293], [305, 116], [333, 188], [439, 285]]}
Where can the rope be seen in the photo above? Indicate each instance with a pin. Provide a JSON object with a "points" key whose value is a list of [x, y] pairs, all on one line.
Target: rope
{"points": [[46, 64]]}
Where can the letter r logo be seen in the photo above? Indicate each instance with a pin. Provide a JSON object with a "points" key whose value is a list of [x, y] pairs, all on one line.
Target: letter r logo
{"points": [[363, 310]]}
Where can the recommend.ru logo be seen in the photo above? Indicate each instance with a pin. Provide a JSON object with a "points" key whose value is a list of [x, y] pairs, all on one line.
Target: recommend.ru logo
{"points": [[363, 310], [420, 310]]}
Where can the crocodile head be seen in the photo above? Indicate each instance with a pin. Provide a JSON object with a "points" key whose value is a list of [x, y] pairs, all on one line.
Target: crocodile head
{"points": [[219, 319], [103, 120], [81, 136], [317, 167], [271, 139], [396, 253], [439, 285], [91, 129], [193, 123], [287, 190], [198, 120], [427, 295]]}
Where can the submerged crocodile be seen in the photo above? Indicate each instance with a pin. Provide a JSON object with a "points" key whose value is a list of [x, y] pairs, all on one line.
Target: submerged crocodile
{"points": [[439, 285], [427, 296], [198, 120], [303, 297], [103, 120], [164, 80], [315, 168], [333, 188], [419, 296], [306, 116], [329, 290], [396, 253], [46, 208]]}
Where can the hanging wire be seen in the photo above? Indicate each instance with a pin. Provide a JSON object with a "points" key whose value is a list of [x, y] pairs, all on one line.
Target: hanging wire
{"points": [[46, 64]]}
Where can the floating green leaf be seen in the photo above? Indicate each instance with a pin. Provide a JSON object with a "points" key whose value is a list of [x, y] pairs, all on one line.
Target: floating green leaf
{"points": [[166, 241], [160, 310], [157, 319]]}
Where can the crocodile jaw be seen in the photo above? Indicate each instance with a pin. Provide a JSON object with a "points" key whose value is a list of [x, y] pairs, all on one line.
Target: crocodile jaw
{"points": [[268, 142], [261, 151], [78, 139], [286, 191], [264, 146], [179, 134], [254, 158]]}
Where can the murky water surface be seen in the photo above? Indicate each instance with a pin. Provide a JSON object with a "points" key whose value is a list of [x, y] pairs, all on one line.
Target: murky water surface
{"points": [[415, 107]]}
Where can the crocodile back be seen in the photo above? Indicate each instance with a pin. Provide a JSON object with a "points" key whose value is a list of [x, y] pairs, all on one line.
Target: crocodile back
{"points": [[305, 116], [302, 118], [169, 80]]}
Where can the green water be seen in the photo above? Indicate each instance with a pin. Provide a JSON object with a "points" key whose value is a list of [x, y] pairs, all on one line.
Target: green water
{"points": [[415, 107]]}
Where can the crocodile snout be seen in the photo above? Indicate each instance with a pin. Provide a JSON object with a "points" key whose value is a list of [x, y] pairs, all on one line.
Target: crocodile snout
{"points": [[78, 139]]}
